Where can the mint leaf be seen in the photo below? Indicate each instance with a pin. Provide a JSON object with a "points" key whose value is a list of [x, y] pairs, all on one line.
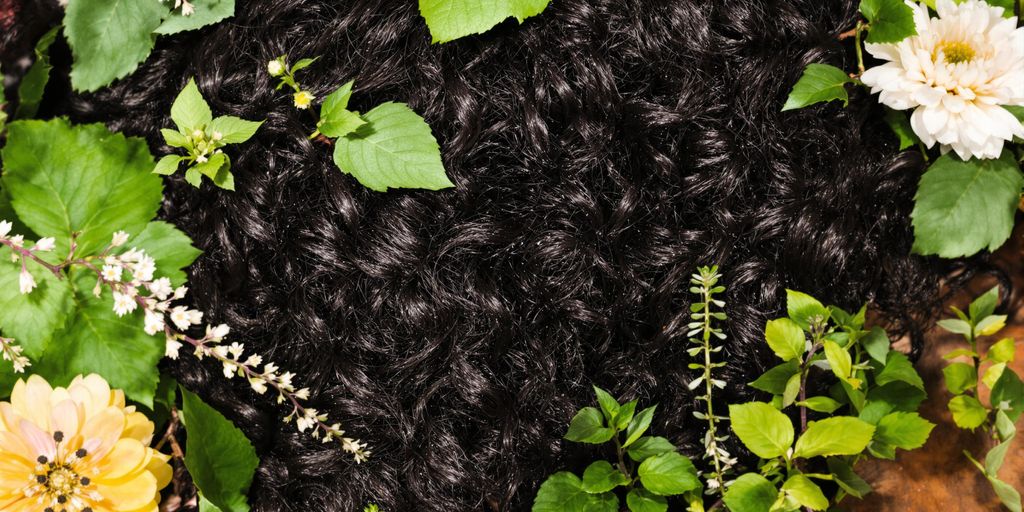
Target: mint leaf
{"points": [[803, 308], [109, 38], [218, 456], [649, 446], [602, 477], [33, 84], [964, 207], [642, 500], [774, 380], [638, 425], [750, 492], [891, 20], [762, 428], [967, 411], [587, 427], [31, 319], [668, 474], [233, 130], [820, 83], [207, 12], [172, 250], [84, 179], [906, 430], [900, 126], [335, 118], [805, 492], [899, 369], [850, 482], [563, 492], [785, 338], [841, 435], [451, 19], [395, 150], [190, 111], [960, 377]]}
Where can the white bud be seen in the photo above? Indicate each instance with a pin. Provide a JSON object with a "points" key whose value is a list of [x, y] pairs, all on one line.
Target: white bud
{"points": [[120, 238]]}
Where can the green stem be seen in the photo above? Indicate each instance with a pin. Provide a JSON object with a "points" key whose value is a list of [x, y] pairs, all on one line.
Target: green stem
{"points": [[620, 452], [712, 427], [860, 51]]}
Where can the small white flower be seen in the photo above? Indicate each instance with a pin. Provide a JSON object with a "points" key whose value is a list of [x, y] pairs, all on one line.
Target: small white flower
{"points": [[229, 369], [218, 333], [179, 293], [131, 255], [235, 349], [216, 136], [172, 347], [302, 394], [307, 420], [161, 288], [195, 317], [275, 68], [45, 244], [285, 380], [254, 360], [269, 369], [154, 322], [124, 303], [957, 73], [144, 269], [26, 283], [258, 385], [186, 8], [201, 159], [180, 318], [120, 238], [18, 240], [5, 228], [111, 273]]}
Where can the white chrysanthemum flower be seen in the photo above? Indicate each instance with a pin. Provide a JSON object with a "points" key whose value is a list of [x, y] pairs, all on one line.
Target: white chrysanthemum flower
{"points": [[956, 73]]}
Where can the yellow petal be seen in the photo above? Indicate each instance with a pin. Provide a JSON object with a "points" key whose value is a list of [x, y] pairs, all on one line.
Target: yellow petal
{"points": [[27, 398], [130, 494], [38, 441], [101, 431], [127, 457], [160, 468], [13, 446], [91, 391], [139, 427], [67, 417]]}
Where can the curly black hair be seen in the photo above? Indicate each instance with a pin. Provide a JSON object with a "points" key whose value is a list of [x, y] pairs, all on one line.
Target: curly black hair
{"points": [[600, 152]]}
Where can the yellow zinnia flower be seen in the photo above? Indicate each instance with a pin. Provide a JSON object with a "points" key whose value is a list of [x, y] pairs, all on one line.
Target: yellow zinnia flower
{"points": [[77, 449]]}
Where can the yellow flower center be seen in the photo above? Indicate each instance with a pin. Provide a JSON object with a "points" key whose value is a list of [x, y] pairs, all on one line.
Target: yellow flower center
{"points": [[58, 483], [957, 52]]}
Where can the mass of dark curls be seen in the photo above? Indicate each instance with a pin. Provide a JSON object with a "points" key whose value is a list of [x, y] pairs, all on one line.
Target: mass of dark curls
{"points": [[600, 152]]}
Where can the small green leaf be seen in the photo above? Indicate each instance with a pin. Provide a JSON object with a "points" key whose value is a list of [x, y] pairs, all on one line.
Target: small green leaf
{"points": [[840, 435], [189, 110], [960, 377], [638, 425], [985, 304], [900, 125], [1009, 390], [233, 129], [668, 474], [762, 428], [967, 411], [876, 343], [218, 456], [992, 374], [587, 427], [1007, 494], [821, 404], [451, 19], [820, 83], [899, 369], [792, 390], [845, 477], [168, 165], [785, 338], [624, 416], [1002, 351], [990, 325], [335, 119], [774, 380], [207, 12], [109, 38], [649, 446], [964, 207], [805, 492], [33, 84], [841, 362], [906, 430], [609, 406], [642, 500], [960, 352], [957, 326], [750, 492], [602, 477], [803, 308], [175, 138], [563, 492], [891, 20], [995, 457]]}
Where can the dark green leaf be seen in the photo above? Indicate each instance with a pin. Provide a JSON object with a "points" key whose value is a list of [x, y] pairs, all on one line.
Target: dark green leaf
{"points": [[31, 319], [587, 427], [899, 369], [649, 446], [900, 125], [900, 395], [335, 119], [563, 492], [601, 477], [819, 83], [641, 500], [846, 478], [109, 38], [609, 406], [1009, 390], [638, 425], [891, 20], [33, 84], [960, 377], [625, 415], [876, 344], [874, 411], [774, 380], [668, 474]]}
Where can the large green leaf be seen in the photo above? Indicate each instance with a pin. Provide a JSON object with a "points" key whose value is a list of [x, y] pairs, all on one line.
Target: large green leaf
{"points": [[891, 20], [84, 179], [819, 83], [452, 19], [207, 12], [668, 474], [218, 456], [898, 368], [642, 500], [109, 38], [601, 476], [964, 207], [649, 446], [750, 492], [967, 411], [31, 319], [840, 435], [762, 428], [803, 308], [395, 149], [786, 338], [563, 492], [33, 84], [1009, 389]]}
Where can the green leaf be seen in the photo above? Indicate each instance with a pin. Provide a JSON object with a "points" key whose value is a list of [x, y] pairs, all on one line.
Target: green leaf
{"points": [[207, 12], [451, 19], [31, 319], [785, 338], [1002, 351], [189, 110], [609, 405], [624, 416], [906, 430], [168, 164], [840, 435], [164, 400], [985, 304], [395, 150], [563, 492], [774, 380], [964, 207], [642, 500], [639, 425], [876, 343], [891, 20], [967, 411], [805, 492], [65, 179], [762, 428], [303, 64], [821, 404], [820, 83], [990, 325], [218, 456], [1009, 390], [1004, 426], [960, 352], [335, 119], [175, 138], [602, 477], [792, 390], [668, 474], [172, 250], [995, 457], [587, 427], [960, 377], [956, 326], [841, 362], [1007, 494], [900, 125], [649, 446], [900, 395], [992, 374], [109, 38], [233, 129], [847, 479], [873, 412], [750, 492], [802, 308], [33, 84], [899, 369]]}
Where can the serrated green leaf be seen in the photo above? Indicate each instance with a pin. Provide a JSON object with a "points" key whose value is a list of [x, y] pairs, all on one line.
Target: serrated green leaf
{"points": [[900, 125], [762, 428], [899, 369], [168, 164], [960, 377], [785, 338], [668, 474], [207, 12], [805, 492], [821, 404], [906, 430], [175, 138], [638, 425], [587, 427], [847, 479], [774, 380], [891, 20], [876, 343], [190, 110], [33, 84], [220, 459], [649, 446], [873, 412], [65, 179], [750, 492], [31, 319], [985, 304], [840, 435], [335, 118], [820, 83], [109, 38], [803, 308], [451, 19], [964, 207], [1009, 390], [609, 405], [601, 476], [900, 395], [1002, 351], [395, 150], [172, 250], [967, 411], [641, 500], [233, 129], [563, 492]]}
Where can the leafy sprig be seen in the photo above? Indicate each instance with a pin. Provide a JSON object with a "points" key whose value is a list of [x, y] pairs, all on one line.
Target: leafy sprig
{"points": [[452, 19]]}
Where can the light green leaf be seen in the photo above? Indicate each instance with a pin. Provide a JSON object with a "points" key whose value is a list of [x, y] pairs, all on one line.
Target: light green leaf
{"points": [[774, 380], [65, 179], [899, 369], [233, 129], [193, 177], [960, 352], [609, 405], [995, 457], [451, 19], [785, 338], [990, 325], [906, 430], [172, 250], [641, 500], [175, 138], [335, 119], [803, 308], [303, 64], [792, 390], [1002, 351], [649, 446], [750, 492], [900, 125], [876, 343], [1007, 494], [207, 12], [964, 207], [805, 492], [762, 428], [992, 374], [109, 38], [168, 164], [960, 377], [985, 304], [841, 362], [563, 492], [840, 435], [587, 427], [1010, 390], [845, 477], [189, 110], [31, 319], [891, 20], [33, 84], [874, 411], [638, 425], [820, 83], [218, 456], [601, 477], [1004, 426], [821, 404], [668, 474], [967, 411], [955, 325], [395, 150]]}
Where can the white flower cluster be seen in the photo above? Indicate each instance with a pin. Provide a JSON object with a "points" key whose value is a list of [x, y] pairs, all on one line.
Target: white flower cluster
{"points": [[12, 352], [187, 9], [206, 145]]}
